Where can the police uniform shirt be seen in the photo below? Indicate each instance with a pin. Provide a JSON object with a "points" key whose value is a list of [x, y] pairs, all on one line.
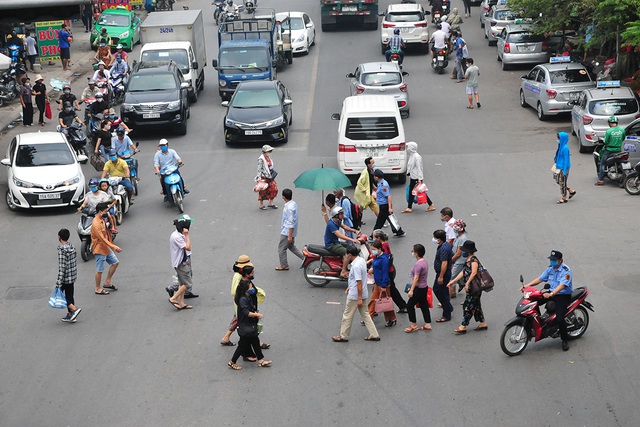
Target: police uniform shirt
{"points": [[561, 276]]}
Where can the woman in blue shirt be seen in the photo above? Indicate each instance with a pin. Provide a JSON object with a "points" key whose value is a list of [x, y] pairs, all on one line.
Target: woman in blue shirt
{"points": [[563, 163], [380, 270]]}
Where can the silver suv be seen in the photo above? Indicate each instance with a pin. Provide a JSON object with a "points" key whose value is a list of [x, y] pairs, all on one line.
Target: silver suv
{"points": [[381, 78]]}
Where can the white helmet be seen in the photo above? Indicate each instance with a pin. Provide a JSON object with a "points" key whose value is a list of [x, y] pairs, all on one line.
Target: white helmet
{"points": [[163, 141], [335, 211]]}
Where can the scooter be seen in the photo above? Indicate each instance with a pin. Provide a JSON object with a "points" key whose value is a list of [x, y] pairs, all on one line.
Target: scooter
{"points": [[395, 56], [76, 136], [322, 266], [530, 324], [133, 168], [632, 181], [617, 167], [174, 185], [117, 86], [164, 5], [439, 61], [121, 197], [9, 88], [84, 233], [218, 10]]}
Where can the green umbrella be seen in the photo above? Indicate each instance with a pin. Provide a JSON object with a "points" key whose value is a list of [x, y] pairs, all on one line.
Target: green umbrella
{"points": [[322, 179]]}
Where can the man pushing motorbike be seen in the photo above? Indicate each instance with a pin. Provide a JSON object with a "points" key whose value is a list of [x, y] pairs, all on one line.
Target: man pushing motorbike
{"points": [[332, 235]]}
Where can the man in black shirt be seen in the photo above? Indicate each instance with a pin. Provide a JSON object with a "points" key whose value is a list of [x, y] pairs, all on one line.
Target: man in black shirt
{"points": [[67, 96]]}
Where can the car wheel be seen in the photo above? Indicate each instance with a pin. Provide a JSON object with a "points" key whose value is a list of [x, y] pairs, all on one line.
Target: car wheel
{"points": [[402, 178], [498, 57], [541, 115], [505, 66], [523, 102], [193, 99], [581, 147], [383, 49], [313, 43], [10, 203], [573, 131], [182, 128]]}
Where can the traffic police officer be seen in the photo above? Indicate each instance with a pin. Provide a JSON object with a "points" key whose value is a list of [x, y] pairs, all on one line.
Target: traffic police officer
{"points": [[558, 274]]}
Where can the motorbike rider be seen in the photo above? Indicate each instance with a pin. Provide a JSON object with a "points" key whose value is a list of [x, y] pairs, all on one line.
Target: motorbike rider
{"points": [[613, 139], [119, 66], [164, 157], [116, 122], [67, 116], [446, 27], [436, 5], [332, 235], [559, 276], [122, 143], [120, 51], [89, 91], [96, 196], [117, 167], [67, 96], [103, 38], [395, 43], [438, 40], [104, 54], [101, 106], [101, 67], [230, 7]]}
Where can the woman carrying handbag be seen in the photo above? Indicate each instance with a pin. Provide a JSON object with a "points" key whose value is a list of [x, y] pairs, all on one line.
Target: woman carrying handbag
{"points": [[380, 294], [266, 174]]}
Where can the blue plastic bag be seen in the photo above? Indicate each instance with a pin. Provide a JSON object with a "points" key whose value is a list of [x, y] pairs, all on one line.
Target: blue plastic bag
{"points": [[408, 194], [58, 300]]}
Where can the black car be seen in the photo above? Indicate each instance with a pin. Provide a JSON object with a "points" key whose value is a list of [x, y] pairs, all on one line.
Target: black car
{"points": [[259, 111], [156, 95]]}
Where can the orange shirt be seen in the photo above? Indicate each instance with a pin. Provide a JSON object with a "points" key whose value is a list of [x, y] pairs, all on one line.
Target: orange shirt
{"points": [[100, 237]]}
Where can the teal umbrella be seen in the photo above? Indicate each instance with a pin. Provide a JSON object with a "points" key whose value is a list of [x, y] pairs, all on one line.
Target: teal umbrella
{"points": [[322, 179]]}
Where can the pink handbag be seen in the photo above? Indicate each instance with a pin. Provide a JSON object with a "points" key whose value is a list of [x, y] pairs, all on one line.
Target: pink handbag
{"points": [[384, 303]]}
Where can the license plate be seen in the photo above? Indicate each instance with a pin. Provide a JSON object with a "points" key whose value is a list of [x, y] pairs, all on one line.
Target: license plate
{"points": [[253, 132], [404, 30], [626, 165], [49, 196], [350, 8], [526, 48], [151, 116], [440, 58], [372, 153], [573, 96]]}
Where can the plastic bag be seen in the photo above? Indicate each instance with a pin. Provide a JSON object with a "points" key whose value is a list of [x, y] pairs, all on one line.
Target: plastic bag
{"points": [[57, 299], [57, 84]]}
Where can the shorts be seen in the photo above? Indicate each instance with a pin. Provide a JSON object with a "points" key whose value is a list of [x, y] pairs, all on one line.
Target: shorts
{"points": [[339, 248], [184, 274], [100, 260], [472, 90], [65, 53]]}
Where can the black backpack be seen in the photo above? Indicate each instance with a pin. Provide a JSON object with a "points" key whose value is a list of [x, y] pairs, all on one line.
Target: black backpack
{"points": [[356, 213]]}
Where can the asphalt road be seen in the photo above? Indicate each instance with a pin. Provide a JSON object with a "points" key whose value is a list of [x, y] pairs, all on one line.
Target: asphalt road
{"points": [[133, 360]]}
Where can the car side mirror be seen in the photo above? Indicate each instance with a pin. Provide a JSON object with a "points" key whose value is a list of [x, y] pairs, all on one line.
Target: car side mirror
{"points": [[214, 63], [6, 162], [380, 13], [194, 65], [524, 77], [335, 116], [351, 76], [288, 102], [225, 103], [404, 73]]}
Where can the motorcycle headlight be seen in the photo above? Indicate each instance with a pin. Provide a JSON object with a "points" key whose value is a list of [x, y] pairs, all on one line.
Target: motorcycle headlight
{"points": [[72, 181], [173, 105], [229, 123], [127, 107], [21, 183], [222, 83], [299, 38], [124, 35], [277, 122]]}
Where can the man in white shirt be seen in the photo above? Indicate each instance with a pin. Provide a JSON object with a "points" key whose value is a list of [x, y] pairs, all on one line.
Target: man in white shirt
{"points": [[438, 38], [446, 215], [180, 251], [31, 46], [288, 230]]}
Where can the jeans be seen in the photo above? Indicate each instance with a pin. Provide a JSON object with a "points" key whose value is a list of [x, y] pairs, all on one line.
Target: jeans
{"points": [[283, 245], [604, 155], [419, 297], [126, 183], [387, 55], [459, 70], [442, 293], [347, 318]]}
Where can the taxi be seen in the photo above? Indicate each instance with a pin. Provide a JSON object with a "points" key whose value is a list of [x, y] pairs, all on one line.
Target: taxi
{"points": [[123, 27], [592, 109], [549, 87]]}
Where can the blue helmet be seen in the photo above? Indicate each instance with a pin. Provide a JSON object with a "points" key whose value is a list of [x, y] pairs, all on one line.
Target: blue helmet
{"points": [[93, 182], [396, 31]]}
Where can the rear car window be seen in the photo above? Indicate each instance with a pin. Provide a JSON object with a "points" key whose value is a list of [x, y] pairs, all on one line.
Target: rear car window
{"points": [[371, 128], [405, 17], [505, 15], [569, 76], [522, 37], [609, 107], [381, 79]]}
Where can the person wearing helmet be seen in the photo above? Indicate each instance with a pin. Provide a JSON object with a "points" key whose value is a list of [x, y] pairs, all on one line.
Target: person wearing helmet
{"points": [[102, 139], [116, 122], [332, 235], [89, 92], [436, 6], [121, 143], [119, 66], [164, 157], [613, 140], [395, 44], [103, 54], [230, 7], [67, 116], [103, 38], [95, 196], [67, 96], [438, 40], [101, 106], [120, 51], [102, 66], [117, 167]]}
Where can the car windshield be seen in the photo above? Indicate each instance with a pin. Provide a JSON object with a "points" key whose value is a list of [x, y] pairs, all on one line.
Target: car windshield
{"points": [[255, 98], [404, 17], [290, 23], [505, 15], [365, 128], [381, 79], [179, 56], [569, 76], [44, 155], [244, 58], [114, 20], [150, 82], [613, 107], [524, 37]]}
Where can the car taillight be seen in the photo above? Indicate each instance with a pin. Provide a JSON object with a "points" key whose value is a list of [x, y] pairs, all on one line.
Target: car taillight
{"points": [[421, 24], [402, 104], [359, 89], [388, 25], [486, 8], [544, 45], [551, 94], [507, 48], [397, 147], [586, 120], [342, 148], [403, 88]]}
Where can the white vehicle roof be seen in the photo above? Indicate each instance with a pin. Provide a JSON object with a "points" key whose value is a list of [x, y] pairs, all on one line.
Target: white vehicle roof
{"points": [[404, 7], [282, 15], [371, 105], [41, 138], [165, 45]]}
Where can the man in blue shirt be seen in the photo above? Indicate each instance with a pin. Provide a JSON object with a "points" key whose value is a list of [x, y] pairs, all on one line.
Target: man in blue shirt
{"points": [[288, 230], [559, 276], [122, 143], [345, 204], [166, 156], [332, 235], [458, 48], [64, 41], [385, 203], [395, 44]]}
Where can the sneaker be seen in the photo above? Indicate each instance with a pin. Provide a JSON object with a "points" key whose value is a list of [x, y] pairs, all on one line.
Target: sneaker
{"points": [[66, 318], [169, 291], [166, 198], [186, 191], [74, 314]]}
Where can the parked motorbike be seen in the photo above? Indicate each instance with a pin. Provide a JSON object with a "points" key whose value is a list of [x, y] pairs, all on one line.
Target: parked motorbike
{"points": [[529, 323], [9, 88], [322, 266], [174, 185], [632, 181], [617, 165], [133, 168], [76, 137], [250, 5], [439, 61], [117, 87]]}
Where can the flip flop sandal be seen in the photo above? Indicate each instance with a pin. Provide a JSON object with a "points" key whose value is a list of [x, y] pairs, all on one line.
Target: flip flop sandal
{"points": [[411, 329], [480, 328], [102, 292], [227, 343], [425, 328], [572, 194], [234, 366], [469, 108], [264, 364], [442, 319], [282, 268], [459, 331], [186, 307], [262, 208], [339, 339], [175, 304], [265, 346], [112, 287]]}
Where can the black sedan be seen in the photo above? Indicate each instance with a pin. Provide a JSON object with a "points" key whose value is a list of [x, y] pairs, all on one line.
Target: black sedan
{"points": [[259, 111]]}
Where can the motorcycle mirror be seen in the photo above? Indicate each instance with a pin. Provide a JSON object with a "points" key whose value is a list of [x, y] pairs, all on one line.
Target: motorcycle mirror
{"points": [[137, 143], [350, 76], [521, 279], [335, 116], [547, 286]]}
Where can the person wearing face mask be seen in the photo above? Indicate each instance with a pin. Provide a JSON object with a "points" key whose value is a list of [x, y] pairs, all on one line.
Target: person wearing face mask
{"points": [[332, 236], [27, 102], [442, 267], [103, 248], [419, 291], [460, 230], [120, 51], [414, 170], [121, 143], [95, 196], [67, 116], [164, 157], [180, 250], [385, 204], [67, 273], [246, 299], [380, 271], [117, 167], [446, 216], [559, 276], [472, 306], [365, 187], [119, 66], [67, 96]]}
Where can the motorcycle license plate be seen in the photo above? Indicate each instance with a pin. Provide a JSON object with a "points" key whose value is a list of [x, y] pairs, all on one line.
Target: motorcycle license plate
{"points": [[440, 58], [626, 166], [253, 132], [151, 116], [48, 196]]}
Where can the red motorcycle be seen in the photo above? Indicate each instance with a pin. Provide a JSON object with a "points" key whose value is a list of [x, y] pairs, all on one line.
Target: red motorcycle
{"points": [[530, 323], [322, 266]]}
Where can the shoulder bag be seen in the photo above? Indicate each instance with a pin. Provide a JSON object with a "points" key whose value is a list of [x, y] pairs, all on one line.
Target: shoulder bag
{"points": [[247, 329], [483, 280], [97, 161], [384, 303]]}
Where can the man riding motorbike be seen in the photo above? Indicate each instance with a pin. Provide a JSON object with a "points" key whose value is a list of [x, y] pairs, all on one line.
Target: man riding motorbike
{"points": [[332, 235], [89, 91], [119, 66], [67, 116], [438, 40], [395, 43], [122, 143], [230, 7], [164, 157], [613, 139], [102, 38], [120, 51], [67, 96], [101, 67], [98, 107], [117, 167]]}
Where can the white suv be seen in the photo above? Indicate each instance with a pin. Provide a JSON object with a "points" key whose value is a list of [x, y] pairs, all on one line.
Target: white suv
{"points": [[411, 19]]}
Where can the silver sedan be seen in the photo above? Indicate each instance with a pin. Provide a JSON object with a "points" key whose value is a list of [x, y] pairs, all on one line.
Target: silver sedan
{"points": [[381, 78]]}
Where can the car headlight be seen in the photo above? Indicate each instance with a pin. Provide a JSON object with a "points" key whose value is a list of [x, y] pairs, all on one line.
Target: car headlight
{"points": [[173, 105], [229, 122], [128, 107], [223, 83], [72, 181], [124, 35], [299, 38], [277, 122], [21, 183]]}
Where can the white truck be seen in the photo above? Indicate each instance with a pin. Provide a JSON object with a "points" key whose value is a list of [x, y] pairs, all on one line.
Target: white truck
{"points": [[177, 36]]}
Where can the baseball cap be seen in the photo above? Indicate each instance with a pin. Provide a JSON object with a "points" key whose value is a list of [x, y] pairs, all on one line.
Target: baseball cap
{"points": [[555, 255]]}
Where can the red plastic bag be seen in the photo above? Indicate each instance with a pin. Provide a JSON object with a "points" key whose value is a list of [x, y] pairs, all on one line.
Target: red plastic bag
{"points": [[429, 298], [422, 198], [47, 111]]}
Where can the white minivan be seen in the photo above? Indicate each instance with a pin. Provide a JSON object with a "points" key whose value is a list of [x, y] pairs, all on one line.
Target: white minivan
{"points": [[370, 126]]}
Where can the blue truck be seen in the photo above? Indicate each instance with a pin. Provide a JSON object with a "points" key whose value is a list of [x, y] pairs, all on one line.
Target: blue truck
{"points": [[251, 47]]}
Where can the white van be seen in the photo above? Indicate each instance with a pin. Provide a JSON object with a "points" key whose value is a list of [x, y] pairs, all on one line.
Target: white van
{"points": [[370, 126]]}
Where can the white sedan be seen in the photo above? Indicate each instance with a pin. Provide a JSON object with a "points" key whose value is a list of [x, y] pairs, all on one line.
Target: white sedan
{"points": [[302, 29], [43, 171]]}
